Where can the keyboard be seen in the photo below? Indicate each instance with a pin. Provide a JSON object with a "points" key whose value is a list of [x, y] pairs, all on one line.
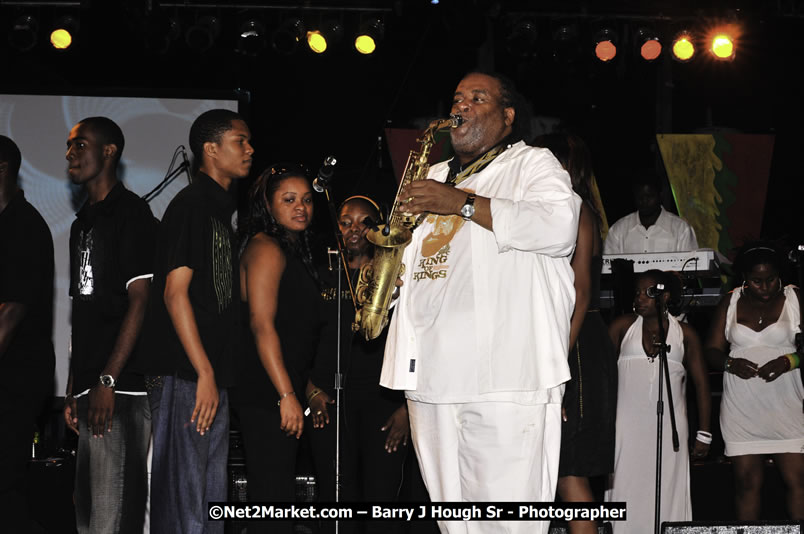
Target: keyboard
{"points": [[703, 261]]}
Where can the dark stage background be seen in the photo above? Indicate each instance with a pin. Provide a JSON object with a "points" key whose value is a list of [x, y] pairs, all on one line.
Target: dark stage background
{"points": [[304, 107]]}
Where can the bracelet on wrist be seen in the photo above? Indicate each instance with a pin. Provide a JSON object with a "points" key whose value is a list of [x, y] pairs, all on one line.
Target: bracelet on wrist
{"points": [[793, 359], [727, 365], [313, 394], [282, 397], [704, 437]]}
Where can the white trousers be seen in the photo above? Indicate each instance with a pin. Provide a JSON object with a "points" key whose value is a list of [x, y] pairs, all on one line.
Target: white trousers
{"points": [[488, 451]]}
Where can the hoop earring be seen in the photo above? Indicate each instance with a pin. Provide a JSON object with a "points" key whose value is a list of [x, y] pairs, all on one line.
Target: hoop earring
{"points": [[633, 308], [780, 286]]}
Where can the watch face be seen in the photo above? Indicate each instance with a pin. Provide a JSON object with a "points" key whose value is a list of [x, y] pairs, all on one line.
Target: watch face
{"points": [[107, 381], [467, 210]]}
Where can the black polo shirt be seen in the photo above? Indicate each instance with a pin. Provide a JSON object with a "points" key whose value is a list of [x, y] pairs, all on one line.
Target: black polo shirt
{"points": [[196, 232], [111, 244], [26, 276]]}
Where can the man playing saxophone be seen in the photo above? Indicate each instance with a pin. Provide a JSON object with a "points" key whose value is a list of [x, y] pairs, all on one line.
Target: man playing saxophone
{"points": [[480, 333]]}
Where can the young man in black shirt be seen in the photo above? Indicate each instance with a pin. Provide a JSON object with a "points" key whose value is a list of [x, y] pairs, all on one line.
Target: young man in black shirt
{"points": [[26, 332], [192, 330], [111, 261]]}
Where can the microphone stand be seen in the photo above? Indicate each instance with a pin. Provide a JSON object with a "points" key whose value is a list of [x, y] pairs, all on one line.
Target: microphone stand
{"points": [[663, 370], [343, 266], [171, 175]]}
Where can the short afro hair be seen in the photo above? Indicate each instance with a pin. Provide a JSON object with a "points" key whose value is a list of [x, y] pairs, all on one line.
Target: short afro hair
{"points": [[209, 127], [108, 132], [10, 153]]}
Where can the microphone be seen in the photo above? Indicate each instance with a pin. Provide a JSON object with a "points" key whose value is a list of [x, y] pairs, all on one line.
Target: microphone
{"points": [[369, 222], [654, 291], [185, 161], [795, 254], [325, 173]]}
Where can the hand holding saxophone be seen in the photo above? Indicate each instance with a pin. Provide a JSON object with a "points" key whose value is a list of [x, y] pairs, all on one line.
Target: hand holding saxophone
{"points": [[431, 196]]}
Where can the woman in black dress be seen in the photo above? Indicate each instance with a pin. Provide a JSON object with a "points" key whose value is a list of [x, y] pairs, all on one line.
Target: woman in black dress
{"points": [[590, 397], [374, 426], [281, 322]]}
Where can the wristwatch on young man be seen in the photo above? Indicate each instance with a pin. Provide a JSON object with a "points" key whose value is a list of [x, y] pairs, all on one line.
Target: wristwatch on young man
{"points": [[107, 381], [468, 208]]}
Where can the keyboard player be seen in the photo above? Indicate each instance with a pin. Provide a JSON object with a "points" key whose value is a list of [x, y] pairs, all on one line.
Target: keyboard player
{"points": [[651, 228]]}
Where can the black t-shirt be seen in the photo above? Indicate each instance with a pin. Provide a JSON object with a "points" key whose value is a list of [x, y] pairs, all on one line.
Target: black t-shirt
{"points": [[111, 244], [26, 276], [196, 232]]}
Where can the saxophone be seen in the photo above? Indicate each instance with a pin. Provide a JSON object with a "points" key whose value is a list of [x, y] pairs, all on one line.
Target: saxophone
{"points": [[377, 279]]}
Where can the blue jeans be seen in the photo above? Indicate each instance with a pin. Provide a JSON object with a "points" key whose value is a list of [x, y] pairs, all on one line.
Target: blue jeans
{"points": [[111, 474], [188, 470]]}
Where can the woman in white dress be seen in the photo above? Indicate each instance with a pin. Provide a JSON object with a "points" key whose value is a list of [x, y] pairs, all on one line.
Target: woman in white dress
{"points": [[752, 341], [637, 338]]}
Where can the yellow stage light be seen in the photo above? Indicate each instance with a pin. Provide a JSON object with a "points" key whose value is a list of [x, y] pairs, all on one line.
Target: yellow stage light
{"points": [[365, 44], [723, 46], [683, 48], [61, 39], [723, 40], [371, 33], [317, 42], [64, 32]]}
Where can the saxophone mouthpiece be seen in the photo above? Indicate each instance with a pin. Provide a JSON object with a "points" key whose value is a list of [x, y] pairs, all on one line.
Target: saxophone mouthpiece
{"points": [[457, 120]]}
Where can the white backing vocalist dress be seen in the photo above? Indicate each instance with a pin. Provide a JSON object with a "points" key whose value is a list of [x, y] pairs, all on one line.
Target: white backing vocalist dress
{"points": [[758, 417], [633, 481]]}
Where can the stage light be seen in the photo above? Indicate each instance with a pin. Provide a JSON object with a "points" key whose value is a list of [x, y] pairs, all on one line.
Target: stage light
{"points": [[286, 37], [723, 46], [330, 34], [722, 40], [24, 33], [650, 47], [605, 45], [683, 47], [202, 35], [316, 41], [161, 32], [522, 39], [64, 32], [565, 45], [251, 38], [371, 33]]}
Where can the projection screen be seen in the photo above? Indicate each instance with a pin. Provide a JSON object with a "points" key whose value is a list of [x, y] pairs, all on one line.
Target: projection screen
{"points": [[39, 124]]}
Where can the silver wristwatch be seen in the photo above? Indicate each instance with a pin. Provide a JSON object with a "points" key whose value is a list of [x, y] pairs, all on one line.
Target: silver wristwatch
{"points": [[107, 381], [468, 208]]}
